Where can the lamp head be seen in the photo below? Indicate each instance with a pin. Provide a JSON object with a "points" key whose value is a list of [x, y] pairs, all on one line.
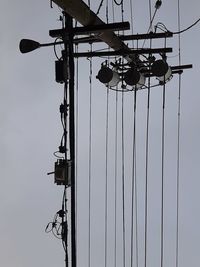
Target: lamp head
{"points": [[108, 77], [134, 78], [27, 45], [159, 68]]}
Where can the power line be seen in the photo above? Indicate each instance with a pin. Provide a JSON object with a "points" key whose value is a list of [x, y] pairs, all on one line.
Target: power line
{"points": [[116, 160], [162, 179], [123, 187], [90, 162], [133, 173], [178, 143], [106, 181]]}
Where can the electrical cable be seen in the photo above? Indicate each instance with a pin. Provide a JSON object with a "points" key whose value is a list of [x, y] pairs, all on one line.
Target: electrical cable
{"points": [[99, 8], [123, 165], [162, 179], [106, 177], [136, 214], [146, 169], [150, 15], [178, 142], [157, 6], [106, 161], [162, 174], [77, 135], [123, 187], [115, 188], [133, 172], [179, 31], [188, 28], [90, 161], [131, 9], [120, 3]]}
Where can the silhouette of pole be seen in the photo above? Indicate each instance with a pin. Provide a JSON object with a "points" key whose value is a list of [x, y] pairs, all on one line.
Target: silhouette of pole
{"points": [[68, 42]]}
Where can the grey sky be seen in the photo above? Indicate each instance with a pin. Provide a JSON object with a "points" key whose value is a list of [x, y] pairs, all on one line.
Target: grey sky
{"points": [[30, 132]]}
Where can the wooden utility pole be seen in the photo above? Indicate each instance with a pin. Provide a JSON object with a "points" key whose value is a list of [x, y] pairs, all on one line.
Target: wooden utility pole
{"points": [[78, 10]]}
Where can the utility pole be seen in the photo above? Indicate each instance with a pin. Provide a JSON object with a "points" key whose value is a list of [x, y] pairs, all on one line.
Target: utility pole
{"points": [[131, 75], [68, 42]]}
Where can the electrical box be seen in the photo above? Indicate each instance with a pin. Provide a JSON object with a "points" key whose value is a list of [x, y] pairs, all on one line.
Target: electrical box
{"points": [[61, 71], [62, 174], [59, 68]]}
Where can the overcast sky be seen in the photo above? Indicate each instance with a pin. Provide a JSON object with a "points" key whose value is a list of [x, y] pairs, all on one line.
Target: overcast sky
{"points": [[31, 130]]}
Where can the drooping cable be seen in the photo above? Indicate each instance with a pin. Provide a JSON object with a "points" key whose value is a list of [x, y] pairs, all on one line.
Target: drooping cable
{"points": [[118, 3], [90, 161], [188, 28], [178, 141], [133, 175], [162, 27]]}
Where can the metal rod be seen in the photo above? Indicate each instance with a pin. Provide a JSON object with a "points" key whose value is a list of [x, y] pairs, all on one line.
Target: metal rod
{"points": [[181, 67], [95, 39], [102, 27], [51, 44], [124, 52], [92, 29]]}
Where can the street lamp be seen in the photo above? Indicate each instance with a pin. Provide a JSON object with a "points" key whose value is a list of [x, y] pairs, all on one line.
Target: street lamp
{"points": [[108, 76], [27, 45], [134, 78], [161, 70]]}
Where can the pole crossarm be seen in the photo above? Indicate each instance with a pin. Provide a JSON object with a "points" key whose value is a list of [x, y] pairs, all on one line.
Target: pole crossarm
{"points": [[81, 12], [124, 52]]}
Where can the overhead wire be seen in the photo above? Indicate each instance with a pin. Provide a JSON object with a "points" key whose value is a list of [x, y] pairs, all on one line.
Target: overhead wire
{"points": [[188, 28], [123, 164], [123, 185], [77, 136], [131, 9], [90, 160], [162, 26], [133, 173], [178, 140], [106, 162], [115, 163], [118, 3], [162, 174], [115, 187], [136, 199], [146, 169], [106, 176], [157, 6], [150, 15], [100, 6]]}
